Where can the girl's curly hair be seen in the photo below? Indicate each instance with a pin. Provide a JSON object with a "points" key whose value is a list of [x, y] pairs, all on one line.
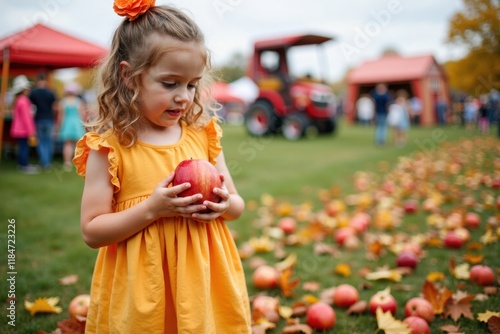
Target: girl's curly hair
{"points": [[135, 43]]}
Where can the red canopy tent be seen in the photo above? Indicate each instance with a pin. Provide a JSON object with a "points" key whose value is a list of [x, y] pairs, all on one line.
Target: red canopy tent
{"points": [[43, 48]]}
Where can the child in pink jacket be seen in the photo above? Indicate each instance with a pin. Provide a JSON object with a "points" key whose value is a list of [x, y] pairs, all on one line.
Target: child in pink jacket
{"points": [[23, 124]]}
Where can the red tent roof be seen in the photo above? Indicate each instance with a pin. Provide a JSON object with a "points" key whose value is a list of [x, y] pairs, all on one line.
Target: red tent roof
{"points": [[221, 92], [391, 69], [42, 46]]}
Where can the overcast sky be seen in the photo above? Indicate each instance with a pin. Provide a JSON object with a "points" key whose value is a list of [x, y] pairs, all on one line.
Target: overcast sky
{"points": [[362, 28]]}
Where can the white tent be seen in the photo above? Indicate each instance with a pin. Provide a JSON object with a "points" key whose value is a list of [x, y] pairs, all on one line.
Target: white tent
{"points": [[245, 89]]}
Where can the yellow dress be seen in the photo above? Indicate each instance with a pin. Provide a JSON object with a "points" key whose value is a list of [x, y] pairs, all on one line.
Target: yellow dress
{"points": [[177, 275]]}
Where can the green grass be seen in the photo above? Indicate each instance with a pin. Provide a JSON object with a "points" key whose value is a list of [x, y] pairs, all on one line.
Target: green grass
{"points": [[49, 246]]}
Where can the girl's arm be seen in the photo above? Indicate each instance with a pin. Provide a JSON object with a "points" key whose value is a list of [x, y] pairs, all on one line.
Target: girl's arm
{"points": [[232, 204], [101, 226]]}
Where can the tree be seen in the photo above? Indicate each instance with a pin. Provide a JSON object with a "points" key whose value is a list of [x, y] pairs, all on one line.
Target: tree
{"points": [[478, 29], [233, 69]]}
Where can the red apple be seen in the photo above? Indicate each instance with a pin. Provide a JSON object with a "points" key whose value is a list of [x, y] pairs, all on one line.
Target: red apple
{"points": [[417, 325], [410, 206], [320, 316], [287, 224], [360, 221], [265, 304], [79, 306], [343, 233], [453, 240], [384, 300], [203, 177], [463, 234], [345, 295], [472, 220], [407, 259], [482, 275], [495, 183], [265, 277], [412, 247], [420, 307]]}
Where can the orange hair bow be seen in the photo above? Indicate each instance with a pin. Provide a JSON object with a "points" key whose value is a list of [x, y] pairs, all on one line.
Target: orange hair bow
{"points": [[132, 8]]}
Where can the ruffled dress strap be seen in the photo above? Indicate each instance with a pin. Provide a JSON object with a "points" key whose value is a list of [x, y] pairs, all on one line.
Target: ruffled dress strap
{"points": [[95, 141], [214, 135]]}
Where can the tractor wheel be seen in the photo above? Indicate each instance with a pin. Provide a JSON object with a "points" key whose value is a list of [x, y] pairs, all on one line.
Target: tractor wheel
{"points": [[260, 119], [295, 126], [327, 126]]}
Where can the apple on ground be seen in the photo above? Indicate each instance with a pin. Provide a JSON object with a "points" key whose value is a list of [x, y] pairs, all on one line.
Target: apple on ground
{"points": [[419, 307], [410, 206], [79, 307], [203, 177], [463, 234], [345, 295], [407, 259], [343, 233], [265, 304], [453, 240], [360, 221], [287, 224], [482, 275], [265, 277], [384, 300], [417, 325], [320, 316], [472, 220]]}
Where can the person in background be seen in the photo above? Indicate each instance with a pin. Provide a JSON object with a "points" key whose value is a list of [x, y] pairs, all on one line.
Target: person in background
{"points": [[44, 101], [71, 121], [403, 124], [382, 99], [483, 115], [365, 109], [470, 113], [441, 110], [23, 125], [415, 110]]}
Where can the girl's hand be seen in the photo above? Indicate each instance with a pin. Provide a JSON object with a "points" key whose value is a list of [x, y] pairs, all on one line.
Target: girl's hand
{"points": [[164, 202], [216, 209]]}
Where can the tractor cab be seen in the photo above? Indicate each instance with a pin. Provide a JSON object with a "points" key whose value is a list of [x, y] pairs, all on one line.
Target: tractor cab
{"points": [[285, 103]]}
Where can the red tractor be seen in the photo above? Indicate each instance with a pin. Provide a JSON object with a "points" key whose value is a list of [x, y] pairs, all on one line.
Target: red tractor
{"points": [[286, 104]]}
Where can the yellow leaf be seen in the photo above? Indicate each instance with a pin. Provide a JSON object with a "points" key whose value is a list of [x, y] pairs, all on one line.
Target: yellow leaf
{"points": [[287, 283], [43, 305], [262, 244], [461, 271], [289, 262], [285, 311], [389, 324], [486, 315], [343, 269], [473, 259], [310, 299], [435, 276], [391, 275], [489, 237]]}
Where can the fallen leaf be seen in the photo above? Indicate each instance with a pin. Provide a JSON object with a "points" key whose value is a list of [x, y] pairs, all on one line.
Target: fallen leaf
{"points": [[388, 274], [285, 311], [459, 308], [286, 283], [287, 263], [358, 307], [437, 298], [435, 276], [473, 259], [461, 271], [343, 269], [297, 328], [311, 286], [389, 324], [494, 324], [43, 305], [451, 329], [68, 280], [490, 290], [484, 317]]}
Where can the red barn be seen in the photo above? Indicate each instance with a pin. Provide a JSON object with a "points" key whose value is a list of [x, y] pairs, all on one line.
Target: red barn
{"points": [[420, 76]]}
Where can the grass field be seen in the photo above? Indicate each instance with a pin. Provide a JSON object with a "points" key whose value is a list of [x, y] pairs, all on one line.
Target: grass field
{"points": [[46, 206]]}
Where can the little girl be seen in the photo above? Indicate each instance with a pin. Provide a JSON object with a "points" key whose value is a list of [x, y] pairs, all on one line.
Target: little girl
{"points": [[163, 266]]}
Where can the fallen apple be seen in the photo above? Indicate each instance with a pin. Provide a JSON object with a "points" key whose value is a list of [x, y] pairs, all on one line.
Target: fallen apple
{"points": [[410, 206], [407, 259], [265, 277], [417, 325], [472, 220], [420, 307], [345, 295], [287, 224], [453, 240], [482, 275], [265, 304], [341, 234], [79, 306], [384, 300], [360, 222], [203, 177], [320, 316]]}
